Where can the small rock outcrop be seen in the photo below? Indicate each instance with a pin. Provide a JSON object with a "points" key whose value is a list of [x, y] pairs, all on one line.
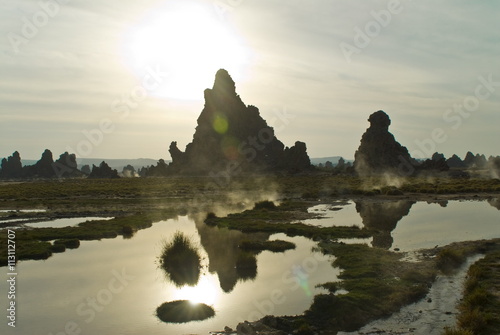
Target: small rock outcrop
{"points": [[11, 167], [103, 171], [455, 162], [231, 136], [66, 166], [477, 161], [43, 168], [379, 152]]}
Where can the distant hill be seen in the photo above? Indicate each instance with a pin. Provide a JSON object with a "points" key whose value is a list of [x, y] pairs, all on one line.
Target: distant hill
{"points": [[117, 164], [140, 162], [323, 160]]}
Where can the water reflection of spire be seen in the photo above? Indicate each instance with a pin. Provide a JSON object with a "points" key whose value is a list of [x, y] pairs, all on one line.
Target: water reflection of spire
{"points": [[382, 217], [222, 247], [495, 202]]}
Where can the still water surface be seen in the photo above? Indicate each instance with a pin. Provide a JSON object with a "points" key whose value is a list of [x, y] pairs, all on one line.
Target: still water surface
{"points": [[114, 286]]}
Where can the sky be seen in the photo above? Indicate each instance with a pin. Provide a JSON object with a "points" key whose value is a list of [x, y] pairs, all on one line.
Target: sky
{"points": [[123, 79]]}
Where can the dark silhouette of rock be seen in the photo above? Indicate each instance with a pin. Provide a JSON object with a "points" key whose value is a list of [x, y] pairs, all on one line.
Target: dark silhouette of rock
{"points": [[12, 166], [161, 169], [297, 158], [494, 166], [103, 171], [340, 164], [143, 171], [495, 202], [379, 152], [129, 171], [469, 159], [480, 161], [382, 217], [437, 157], [435, 164], [477, 161], [86, 169], [42, 169], [66, 166], [231, 136], [455, 162]]}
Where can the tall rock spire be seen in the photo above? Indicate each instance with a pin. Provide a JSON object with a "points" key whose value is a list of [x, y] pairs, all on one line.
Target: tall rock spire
{"points": [[229, 133], [379, 152]]}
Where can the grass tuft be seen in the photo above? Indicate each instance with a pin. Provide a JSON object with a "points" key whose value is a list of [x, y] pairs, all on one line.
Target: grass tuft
{"points": [[181, 260], [181, 311]]}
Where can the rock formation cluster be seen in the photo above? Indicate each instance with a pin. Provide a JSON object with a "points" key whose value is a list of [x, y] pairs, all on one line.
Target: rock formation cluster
{"points": [[65, 166]]}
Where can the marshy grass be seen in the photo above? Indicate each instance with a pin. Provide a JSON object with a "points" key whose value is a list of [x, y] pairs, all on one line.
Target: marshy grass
{"points": [[457, 331], [181, 311], [376, 281], [181, 260], [453, 256], [448, 259], [274, 246], [479, 310], [70, 243], [266, 204]]}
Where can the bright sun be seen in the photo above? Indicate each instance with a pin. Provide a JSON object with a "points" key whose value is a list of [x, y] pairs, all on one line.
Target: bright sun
{"points": [[204, 292], [189, 42]]}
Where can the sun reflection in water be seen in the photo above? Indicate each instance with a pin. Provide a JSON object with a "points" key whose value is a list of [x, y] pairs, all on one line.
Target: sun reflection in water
{"points": [[206, 291]]}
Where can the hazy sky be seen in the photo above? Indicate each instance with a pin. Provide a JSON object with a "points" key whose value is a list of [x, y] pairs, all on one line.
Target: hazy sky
{"points": [[123, 78]]}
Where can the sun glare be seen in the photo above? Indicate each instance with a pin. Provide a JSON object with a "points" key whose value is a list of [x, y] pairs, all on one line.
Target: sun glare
{"points": [[190, 43], [204, 292]]}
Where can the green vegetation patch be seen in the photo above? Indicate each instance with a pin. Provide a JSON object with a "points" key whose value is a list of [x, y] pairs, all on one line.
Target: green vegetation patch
{"points": [[452, 256], [274, 246], [181, 260], [29, 241], [70, 243], [281, 220], [181, 311], [480, 306], [377, 283]]}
